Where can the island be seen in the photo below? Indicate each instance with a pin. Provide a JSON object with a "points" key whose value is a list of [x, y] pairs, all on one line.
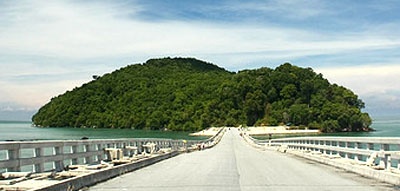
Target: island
{"points": [[187, 94]]}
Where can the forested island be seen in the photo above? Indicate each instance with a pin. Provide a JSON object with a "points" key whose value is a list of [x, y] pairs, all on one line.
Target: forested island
{"points": [[186, 94]]}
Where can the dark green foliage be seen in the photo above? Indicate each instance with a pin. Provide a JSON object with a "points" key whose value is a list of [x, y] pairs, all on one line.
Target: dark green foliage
{"points": [[188, 94]]}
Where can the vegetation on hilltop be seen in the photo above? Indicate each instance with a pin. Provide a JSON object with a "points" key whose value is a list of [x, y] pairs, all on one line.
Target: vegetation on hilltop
{"points": [[189, 94]]}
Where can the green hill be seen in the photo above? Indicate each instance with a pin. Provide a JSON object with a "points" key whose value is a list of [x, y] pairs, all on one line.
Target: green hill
{"points": [[189, 94]]}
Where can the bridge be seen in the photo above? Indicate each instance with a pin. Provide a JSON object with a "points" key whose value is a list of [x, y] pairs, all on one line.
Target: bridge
{"points": [[235, 163]]}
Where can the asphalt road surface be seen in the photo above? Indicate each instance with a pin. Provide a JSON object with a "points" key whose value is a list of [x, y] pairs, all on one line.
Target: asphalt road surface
{"points": [[234, 165]]}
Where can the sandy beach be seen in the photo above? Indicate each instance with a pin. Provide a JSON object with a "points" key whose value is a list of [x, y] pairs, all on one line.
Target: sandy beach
{"points": [[207, 132], [276, 130], [265, 130]]}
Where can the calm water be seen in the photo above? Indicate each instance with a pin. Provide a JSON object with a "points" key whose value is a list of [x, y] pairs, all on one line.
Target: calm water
{"points": [[388, 126], [384, 126], [25, 131]]}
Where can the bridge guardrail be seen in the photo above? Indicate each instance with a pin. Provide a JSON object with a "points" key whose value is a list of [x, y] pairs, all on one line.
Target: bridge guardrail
{"points": [[374, 157], [383, 152], [41, 156]]}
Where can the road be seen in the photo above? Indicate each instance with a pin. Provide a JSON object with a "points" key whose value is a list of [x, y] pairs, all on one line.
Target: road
{"points": [[234, 165]]}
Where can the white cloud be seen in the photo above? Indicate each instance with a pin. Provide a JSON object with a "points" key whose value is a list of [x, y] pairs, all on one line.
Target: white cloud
{"points": [[365, 79], [67, 30], [31, 96], [295, 10], [376, 84], [71, 32]]}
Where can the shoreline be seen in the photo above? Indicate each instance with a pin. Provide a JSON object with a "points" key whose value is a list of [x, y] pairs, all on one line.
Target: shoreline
{"points": [[258, 131], [207, 132], [270, 130]]}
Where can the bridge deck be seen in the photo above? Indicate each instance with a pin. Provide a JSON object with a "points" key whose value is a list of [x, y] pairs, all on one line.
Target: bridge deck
{"points": [[234, 165]]}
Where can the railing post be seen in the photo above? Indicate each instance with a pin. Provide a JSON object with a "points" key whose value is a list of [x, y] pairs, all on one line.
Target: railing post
{"points": [[357, 146], [338, 145], [398, 164], [386, 158], [389, 162]]}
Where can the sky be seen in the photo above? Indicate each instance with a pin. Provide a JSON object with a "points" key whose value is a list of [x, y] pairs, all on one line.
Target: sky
{"points": [[49, 47]]}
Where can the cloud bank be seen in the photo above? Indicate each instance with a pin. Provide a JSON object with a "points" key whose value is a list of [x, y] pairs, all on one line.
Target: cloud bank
{"points": [[376, 85], [49, 47]]}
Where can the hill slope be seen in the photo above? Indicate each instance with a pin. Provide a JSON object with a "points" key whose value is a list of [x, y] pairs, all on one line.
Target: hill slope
{"points": [[189, 94]]}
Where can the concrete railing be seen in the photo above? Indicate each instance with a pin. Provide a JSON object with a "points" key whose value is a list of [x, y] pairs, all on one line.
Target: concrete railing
{"points": [[374, 157], [40, 156], [381, 151]]}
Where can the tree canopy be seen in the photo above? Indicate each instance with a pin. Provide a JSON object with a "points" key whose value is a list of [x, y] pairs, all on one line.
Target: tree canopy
{"points": [[189, 94]]}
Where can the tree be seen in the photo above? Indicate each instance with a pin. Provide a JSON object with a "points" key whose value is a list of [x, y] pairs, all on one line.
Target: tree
{"points": [[190, 94], [299, 114], [330, 126], [254, 106]]}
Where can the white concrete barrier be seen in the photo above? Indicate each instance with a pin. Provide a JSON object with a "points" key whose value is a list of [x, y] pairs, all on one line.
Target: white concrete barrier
{"points": [[375, 157], [41, 156]]}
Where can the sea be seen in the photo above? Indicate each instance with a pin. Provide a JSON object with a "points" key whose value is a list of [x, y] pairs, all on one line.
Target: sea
{"points": [[25, 131], [385, 126]]}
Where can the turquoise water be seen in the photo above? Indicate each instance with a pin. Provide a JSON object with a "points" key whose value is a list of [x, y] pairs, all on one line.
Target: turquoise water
{"points": [[25, 131], [388, 126], [384, 126]]}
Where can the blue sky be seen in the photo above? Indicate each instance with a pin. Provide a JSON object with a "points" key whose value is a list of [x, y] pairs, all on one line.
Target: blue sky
{"points": [[49, 47]]}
